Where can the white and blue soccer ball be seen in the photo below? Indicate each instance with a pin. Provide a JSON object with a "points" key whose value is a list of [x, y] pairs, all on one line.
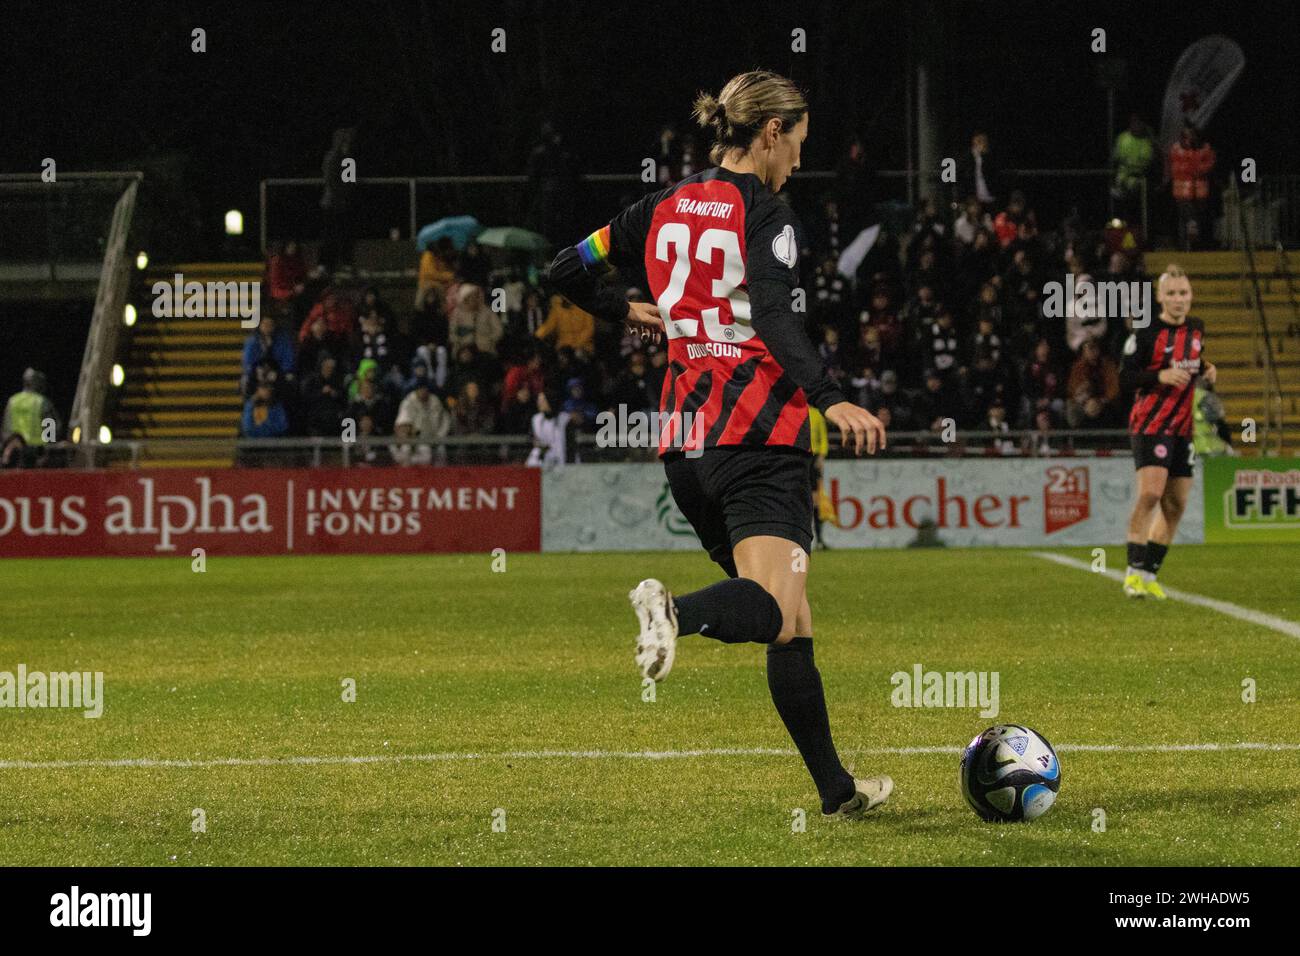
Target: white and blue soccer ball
{"points": [[1010, 772]]}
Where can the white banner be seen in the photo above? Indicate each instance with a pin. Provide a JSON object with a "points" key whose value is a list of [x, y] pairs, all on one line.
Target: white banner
{"points": [[1015, 502]]}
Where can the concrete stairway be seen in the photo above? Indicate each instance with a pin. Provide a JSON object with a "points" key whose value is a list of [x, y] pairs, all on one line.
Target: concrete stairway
{"points": [[1233, 340], [182, 374]]}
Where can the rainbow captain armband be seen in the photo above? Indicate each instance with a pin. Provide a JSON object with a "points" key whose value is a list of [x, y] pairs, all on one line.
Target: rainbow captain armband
{"points": [[594, 250]]}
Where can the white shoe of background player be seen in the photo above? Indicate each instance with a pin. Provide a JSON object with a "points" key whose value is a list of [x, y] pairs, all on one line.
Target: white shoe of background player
{"points": [[656, 645]]}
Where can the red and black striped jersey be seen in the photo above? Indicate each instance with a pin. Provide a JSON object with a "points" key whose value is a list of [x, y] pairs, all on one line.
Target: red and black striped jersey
{"points": [[1163, 409], [720, 253]]}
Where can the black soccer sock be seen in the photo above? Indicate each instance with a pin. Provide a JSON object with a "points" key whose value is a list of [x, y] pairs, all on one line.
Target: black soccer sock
{"points": [[1155, 556], [733, 611], [1137, 555], [796, 688]]}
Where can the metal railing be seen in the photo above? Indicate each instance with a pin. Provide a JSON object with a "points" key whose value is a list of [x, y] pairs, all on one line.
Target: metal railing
{"points": [[404, 203], [1271, 397], [316, 452]]}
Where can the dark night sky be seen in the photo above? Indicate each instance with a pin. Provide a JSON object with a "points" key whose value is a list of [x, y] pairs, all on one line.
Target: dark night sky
{"points": [[110, 85]]}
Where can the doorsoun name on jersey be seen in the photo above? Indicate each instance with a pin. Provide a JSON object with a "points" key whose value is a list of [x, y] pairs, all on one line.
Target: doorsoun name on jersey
{"points": [[699, 207]]}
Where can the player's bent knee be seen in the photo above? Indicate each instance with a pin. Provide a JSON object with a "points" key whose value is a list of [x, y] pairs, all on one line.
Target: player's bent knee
{"points": [[771, 621]]}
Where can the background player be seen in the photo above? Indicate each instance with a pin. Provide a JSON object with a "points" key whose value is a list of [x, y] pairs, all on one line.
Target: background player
{"points": [[1162, 362], [720, 255]]}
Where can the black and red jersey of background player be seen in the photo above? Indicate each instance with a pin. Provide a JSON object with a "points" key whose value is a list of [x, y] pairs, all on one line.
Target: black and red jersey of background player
{"points": [[1163, 409], [721, 254]]}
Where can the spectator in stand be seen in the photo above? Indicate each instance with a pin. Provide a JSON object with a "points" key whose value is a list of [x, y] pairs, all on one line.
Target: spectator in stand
{"points": [[869, 351], [1083, 319], [977, 172], [533, 315], [471, 364], [424, 414], [1006, 224], [633, 389], [986, 382], [893, 401], [473, 323], [1190, 164], [369, 400], [1093, 388], [882, 317], [580, 409], [13, 452], [266, 345], [943, 354], [264, 415], [996, 421], [831, 292], [972, 221], [25, 415], [826, 236], [517, 414], [864, 387], [553, 432], [936, 403], [338, 312], [372, 341], [927, 272], [473, 414], [829, 350], [569, 325], [1133, 156], [286, 276], [436, 361], [1039, 442], [1041, 385], [976, 266], [324, 397], [373, 301], [473, 267], [437, 271], [986, 338], [317, 343], [527, 374]]}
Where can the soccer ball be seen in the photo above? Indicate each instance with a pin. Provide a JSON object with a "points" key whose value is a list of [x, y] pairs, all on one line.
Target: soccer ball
{"points": [[1010, 773]]}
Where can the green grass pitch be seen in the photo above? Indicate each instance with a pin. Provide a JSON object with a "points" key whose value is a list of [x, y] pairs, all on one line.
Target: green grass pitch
{"points": [[507, 676]]}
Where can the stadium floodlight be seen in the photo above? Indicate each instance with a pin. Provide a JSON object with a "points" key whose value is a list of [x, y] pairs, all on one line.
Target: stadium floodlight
{"points": [[142, 260], [128, 315], [119, 376], [105, 435], [234, 223]]}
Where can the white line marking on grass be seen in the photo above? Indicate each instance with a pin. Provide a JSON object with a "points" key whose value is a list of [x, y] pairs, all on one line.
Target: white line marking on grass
{"points": [[151, 763], [1279, 624]]}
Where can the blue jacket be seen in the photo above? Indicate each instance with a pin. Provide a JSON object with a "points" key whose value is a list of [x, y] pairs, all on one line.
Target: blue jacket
{"points": [[280, 352], [276, 424]]}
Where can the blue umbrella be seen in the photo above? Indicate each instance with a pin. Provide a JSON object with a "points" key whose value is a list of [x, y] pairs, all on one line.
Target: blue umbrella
{"points": [[459, 229]]}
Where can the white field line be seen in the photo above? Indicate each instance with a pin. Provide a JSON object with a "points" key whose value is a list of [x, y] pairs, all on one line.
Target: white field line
{"points": [[1279, 624], [151, 763]]}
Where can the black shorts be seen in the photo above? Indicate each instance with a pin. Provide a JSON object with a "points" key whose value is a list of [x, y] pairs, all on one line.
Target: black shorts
{"points": [[1170, 452], [732, 493]]}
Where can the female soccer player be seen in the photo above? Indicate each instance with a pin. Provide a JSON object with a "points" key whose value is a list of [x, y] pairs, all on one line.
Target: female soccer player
{"points": [[1162, 362], [720, 254]]}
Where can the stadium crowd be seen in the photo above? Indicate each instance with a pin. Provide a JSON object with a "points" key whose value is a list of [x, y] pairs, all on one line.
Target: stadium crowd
{"points": [[943, 320]]}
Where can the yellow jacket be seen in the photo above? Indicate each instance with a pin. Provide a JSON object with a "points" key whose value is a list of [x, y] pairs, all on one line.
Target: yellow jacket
{"points": [[569, 324]]}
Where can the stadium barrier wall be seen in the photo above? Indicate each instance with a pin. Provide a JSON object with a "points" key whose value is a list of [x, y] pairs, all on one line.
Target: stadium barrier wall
{"points": [[256, 511], [1038, 502], [1249, 500]]}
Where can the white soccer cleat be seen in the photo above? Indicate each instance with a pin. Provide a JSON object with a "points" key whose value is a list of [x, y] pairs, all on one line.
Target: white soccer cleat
{"points": [[870, 793], [656, 645]]}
